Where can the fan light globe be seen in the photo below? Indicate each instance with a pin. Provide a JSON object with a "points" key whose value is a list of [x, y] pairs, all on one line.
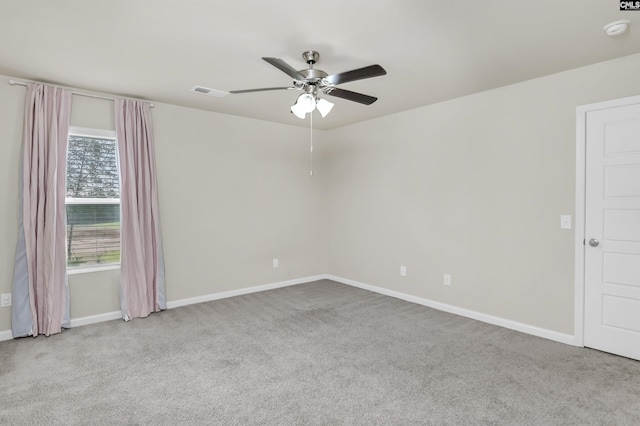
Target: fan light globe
{"points": [[307, 102], [298, 112], [324, 107]]}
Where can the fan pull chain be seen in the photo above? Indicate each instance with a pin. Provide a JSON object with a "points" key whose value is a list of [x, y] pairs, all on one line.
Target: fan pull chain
{"points": [[311, 143]]}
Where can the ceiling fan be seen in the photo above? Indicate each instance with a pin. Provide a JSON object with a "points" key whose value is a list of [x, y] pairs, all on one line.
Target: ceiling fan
{"points": [[314, 81]]}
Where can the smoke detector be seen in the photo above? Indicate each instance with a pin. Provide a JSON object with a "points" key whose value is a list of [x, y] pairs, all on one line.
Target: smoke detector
{"points": [[617, 28]]}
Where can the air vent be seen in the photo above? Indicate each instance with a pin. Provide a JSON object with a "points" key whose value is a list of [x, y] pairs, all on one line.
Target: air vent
{"points": [[210, 92]]}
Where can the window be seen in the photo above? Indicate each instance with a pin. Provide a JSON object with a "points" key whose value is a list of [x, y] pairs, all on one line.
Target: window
{"points": [[92, 199]]}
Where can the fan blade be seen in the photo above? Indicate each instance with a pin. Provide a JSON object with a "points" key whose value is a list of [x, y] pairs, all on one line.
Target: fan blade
{"points": [[349, 95], [353, 75], [285, 67], [260, 90]]}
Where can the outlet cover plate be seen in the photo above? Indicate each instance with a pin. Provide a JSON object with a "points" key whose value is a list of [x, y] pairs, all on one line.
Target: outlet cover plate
{"points": [[5, 300]]}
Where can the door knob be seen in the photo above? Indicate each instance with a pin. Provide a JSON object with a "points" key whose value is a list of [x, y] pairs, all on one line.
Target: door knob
{"points": [[594, 243]]}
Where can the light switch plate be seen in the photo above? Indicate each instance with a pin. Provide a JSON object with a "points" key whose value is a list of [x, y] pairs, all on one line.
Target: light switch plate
{"points": [[565, 221]]}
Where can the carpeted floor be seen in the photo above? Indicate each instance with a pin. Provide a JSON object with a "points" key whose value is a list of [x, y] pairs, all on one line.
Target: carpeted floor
{"points": [[317, 353]]}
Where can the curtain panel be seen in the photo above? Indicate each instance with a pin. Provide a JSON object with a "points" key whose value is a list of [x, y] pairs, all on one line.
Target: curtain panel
{"points": [[142, 281], [40, 286]]}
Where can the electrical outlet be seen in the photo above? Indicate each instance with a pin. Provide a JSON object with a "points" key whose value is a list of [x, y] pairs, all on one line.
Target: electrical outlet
{"points": [[447, 279], [403, 271], [5, 300], [275, 263]]}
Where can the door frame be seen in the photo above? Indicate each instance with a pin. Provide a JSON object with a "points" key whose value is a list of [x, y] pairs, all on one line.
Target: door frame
{"points": [[580, 214]]}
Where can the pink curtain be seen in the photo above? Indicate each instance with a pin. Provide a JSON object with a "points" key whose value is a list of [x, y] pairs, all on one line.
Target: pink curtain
{"points": [[142, 285], [41, 266]]}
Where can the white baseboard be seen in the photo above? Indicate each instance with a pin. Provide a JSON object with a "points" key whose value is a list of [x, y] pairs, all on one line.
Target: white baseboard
{"points": [[75, 322], [490, 319], [6, 335], [240, 292], [108, 316], [502, 322], [92, 319]]}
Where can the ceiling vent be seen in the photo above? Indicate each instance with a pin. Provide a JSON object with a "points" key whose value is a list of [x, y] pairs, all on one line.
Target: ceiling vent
{"points": [[210, 92]]}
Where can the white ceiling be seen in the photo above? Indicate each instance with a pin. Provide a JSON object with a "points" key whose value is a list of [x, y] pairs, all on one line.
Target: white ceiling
{"points": [[433, 50]]}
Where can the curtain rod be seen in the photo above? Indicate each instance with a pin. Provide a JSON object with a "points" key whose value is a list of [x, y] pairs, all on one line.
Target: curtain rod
{"points": [[73, 92]]}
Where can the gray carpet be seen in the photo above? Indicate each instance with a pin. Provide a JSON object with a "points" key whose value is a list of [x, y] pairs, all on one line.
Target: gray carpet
{"points": [[317, 353]]}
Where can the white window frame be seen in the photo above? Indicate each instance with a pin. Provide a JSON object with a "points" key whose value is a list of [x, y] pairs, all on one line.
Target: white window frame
{"points": [[103, 134]]}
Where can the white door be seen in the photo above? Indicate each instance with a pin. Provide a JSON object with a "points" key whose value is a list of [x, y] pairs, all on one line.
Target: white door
{"points": [[612, 231]]}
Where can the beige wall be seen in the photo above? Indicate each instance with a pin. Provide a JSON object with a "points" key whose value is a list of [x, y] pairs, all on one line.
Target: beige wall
{"points": [[234, 194], [11, 113], [473, 187]]}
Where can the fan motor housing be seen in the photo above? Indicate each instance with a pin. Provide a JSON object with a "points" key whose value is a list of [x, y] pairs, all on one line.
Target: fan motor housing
{"points": [[312, 75]]}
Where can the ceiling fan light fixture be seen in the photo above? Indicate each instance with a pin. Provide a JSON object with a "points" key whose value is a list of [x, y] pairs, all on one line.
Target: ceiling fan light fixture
{"points": [[324, 107]]}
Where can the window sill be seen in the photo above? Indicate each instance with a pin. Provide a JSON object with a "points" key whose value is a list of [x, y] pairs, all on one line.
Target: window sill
{"points": [[80, 270]]}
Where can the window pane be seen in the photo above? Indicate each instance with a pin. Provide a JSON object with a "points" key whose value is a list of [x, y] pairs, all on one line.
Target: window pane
{"points": [[93, 234], [93, 209], [92, 168]]}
